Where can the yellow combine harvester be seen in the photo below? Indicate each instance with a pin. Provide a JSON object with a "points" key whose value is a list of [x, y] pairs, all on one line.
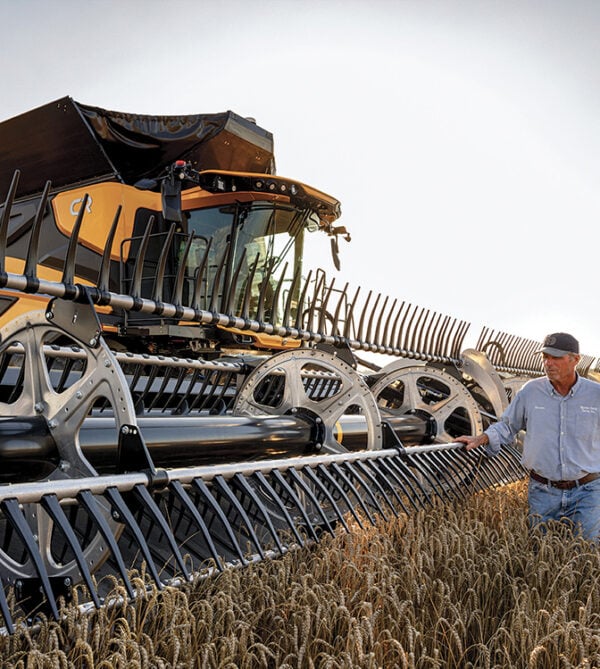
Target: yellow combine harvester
{"points": [[177, 390]]}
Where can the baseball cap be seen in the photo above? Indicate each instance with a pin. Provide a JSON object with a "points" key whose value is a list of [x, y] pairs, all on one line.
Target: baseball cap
{"points": [[559, 344]]}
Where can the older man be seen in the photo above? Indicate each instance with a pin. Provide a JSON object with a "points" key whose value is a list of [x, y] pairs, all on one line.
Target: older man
{"points": [[560, 414]]}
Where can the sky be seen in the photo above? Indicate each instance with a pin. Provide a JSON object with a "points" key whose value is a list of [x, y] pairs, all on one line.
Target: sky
{"points": [[461, 136]]}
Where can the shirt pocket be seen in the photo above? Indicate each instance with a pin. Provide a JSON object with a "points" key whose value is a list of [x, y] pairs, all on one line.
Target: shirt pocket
{"points": [[586, 424]]}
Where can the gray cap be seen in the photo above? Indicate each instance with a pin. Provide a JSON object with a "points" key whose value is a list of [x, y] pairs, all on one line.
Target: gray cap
{"points": [[559, 344]]}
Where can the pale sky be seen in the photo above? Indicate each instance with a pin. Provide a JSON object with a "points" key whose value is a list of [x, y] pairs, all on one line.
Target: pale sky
{"points": [[461, 136]]}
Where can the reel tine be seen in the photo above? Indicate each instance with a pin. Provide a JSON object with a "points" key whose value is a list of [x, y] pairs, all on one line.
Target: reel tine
{"points": [[361, 322], [21, 526], [5, 219], [279, 478], [201, 270], [235, 503], [301, 301], [416, 330], [246, 489], [351, 467], [393, 340], [276, 293], [150, 506], [323, 308], [202, 488], [136, 286], [214, 289], [319, 283], [179, 279], [385, 322], [291, 292], [159, 283], [341, 302], [374, 474], [299, 481], [245, 309], [54, 510], [431, 333], [179, 491], [372, 318], [350, 316], [350, 486], [5, 610], [126, 517], [416, 463], [233, 283], [68, 276], [263, 482], [402, 342], [310, 474], [104, 273], [444, 470], [89, 503], [32, 259], [391, 475], [459, 341]]}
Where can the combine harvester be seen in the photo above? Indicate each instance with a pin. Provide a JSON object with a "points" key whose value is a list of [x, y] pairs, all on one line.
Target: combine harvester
{"points": [[178, 394]]}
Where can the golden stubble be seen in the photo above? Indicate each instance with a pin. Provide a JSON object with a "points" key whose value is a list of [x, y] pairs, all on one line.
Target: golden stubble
{"points": [[458, 585]]}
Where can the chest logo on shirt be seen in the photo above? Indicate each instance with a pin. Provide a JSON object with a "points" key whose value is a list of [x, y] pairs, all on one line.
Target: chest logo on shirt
{"points": [[593, 410]]}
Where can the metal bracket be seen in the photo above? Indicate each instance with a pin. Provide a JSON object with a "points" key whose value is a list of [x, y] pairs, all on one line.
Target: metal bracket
{"points": [[390, 438], [133, 454], [29, 590], [341, 351], [79, 320]]}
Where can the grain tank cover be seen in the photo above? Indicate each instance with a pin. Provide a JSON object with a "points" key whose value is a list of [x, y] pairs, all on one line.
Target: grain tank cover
{"points": [[70, 143]]}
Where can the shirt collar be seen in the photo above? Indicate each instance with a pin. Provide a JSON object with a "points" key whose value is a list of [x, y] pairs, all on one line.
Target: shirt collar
{"points": [[571, 392]]}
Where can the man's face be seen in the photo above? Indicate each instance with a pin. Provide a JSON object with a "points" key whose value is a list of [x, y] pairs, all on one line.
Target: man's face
{"points": [[560, 369]]}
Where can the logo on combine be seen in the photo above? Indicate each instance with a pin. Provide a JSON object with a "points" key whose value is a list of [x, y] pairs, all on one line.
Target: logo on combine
{"points": [[75, 204]]}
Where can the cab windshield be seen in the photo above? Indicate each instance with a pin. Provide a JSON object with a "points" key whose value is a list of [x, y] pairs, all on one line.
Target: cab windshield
{"points": [[259, 242]]}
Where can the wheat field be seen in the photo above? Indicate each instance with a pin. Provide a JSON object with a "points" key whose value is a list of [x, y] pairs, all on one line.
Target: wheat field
{"points": [[462, 585]]}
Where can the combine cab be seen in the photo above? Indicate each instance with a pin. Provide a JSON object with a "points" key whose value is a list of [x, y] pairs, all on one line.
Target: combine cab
{"points": [[195, 233], [177, 392]]}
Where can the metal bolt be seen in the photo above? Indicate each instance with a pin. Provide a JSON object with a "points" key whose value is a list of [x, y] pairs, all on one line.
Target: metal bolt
{"points": [[39, 407], [107, 363], [79, 394], [53, 423], [67, 581], [125, 429], [93, 342]]}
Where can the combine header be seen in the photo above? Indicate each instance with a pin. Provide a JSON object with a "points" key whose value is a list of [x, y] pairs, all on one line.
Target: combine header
{"points": [[177, 393]]}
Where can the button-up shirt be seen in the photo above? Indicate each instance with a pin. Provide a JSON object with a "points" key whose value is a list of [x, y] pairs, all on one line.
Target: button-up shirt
{"points": [[562, 433]]}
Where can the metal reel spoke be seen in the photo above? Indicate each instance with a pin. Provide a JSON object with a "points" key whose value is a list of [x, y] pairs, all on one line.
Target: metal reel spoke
{"points": [[431, 393], [315, 384], [61, 404]]}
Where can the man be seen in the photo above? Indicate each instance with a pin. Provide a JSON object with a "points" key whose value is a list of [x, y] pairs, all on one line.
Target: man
{"points": [[560, 414]]}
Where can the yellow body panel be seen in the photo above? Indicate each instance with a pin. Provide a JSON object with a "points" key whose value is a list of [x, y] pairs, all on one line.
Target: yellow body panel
{"points": [[266, 341], [103, 200]]}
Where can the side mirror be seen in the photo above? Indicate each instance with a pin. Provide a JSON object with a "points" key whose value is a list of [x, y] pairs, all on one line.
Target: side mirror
{"points": [[171, 200], [335, 252]]}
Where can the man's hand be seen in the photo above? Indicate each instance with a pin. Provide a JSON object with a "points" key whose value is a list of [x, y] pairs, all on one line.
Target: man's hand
{"points": [[473, 442]]}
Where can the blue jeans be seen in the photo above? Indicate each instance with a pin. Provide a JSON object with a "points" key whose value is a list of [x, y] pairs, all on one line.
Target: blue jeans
{"points": [[580, 506]]}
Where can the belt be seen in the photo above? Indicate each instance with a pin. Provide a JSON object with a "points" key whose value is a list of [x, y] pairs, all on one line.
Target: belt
{"points": [[564, 485]]}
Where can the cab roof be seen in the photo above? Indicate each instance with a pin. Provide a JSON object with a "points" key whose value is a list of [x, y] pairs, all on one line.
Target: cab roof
{"points": [[69, 143]]}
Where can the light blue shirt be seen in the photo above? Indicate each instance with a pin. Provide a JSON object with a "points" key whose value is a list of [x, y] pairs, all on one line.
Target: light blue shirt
{"points": [[562, 434]]}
